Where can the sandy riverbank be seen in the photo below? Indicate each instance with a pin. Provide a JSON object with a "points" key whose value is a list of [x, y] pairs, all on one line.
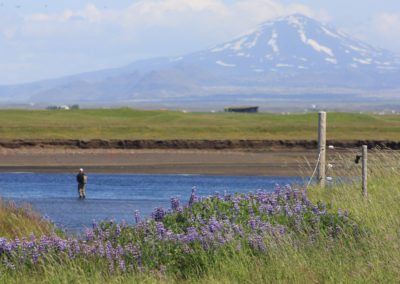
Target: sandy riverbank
{"points": [[207, 162]]}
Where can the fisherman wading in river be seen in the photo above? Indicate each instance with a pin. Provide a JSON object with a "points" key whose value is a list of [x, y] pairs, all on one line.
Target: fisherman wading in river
{"points": [[82, 180]]}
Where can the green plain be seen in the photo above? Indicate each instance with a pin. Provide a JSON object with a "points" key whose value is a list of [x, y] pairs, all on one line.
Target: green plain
{"points": [[126, 123]]}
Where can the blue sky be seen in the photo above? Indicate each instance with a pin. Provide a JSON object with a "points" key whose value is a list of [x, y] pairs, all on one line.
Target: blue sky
{"points": [[46, 39]]}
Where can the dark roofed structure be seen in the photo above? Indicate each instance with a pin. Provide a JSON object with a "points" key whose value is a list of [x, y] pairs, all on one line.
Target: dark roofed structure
{"points": [[242, 109]]}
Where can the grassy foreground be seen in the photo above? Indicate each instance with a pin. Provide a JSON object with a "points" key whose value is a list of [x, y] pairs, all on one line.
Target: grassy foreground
{"points": [[128, 123], [20, 221], [329, 235]]}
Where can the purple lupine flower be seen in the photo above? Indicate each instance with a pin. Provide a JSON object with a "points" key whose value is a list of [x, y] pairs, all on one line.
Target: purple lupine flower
{"points": [[297, 208], [89, 235], [236, 229], [277, 188], [269, 209], [111, 267], [109, 251], [253, 224], [340, 212], [273, 201], [158, 214], [95, 226], [220, 239], [137, 216], [121, 266], [160, 230], [61, 245], [283, 230], [33, 238], [251, 211], [295, 193], [303, 196], [261, 245], [192, 196], [192, 234], [288, 212], [175, 203], [71, 255], [235, 202], [117, 230], [227, 196], [120, 250], [35, 256]]}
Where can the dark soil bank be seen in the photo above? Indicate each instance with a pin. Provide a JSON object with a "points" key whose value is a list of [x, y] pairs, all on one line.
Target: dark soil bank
{"points": [[194, 144]]}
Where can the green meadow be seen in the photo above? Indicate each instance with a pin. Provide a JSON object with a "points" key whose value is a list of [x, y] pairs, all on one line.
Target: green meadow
{"points": [[126, 123]]}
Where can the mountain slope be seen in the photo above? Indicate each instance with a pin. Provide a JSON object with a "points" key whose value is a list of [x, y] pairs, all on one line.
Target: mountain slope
{"points": [[296, 43]]}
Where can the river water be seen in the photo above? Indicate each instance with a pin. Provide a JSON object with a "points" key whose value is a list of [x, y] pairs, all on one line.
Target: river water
{"points": [[117, 196]]}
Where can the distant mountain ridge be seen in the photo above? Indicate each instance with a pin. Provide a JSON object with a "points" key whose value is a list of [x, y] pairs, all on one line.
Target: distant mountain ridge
{"points": [[290, 58]]}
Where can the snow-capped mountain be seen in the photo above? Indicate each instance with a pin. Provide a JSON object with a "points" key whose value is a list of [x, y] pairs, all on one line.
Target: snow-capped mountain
{"points": [[292, 58], [295, 43]]}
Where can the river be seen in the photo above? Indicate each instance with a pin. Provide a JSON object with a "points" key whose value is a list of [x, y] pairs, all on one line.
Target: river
{"points": [[117, 196]]}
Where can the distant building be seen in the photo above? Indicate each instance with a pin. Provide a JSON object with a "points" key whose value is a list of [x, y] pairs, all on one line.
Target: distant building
{"points": [[64, 107], [242, 109]]}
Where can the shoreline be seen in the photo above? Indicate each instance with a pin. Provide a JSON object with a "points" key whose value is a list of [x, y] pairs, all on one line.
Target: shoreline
{"points": [[196, 162], [191, 144]]}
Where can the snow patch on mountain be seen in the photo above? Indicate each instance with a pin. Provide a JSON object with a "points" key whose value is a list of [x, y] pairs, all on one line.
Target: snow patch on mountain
{"points": [[329, 33], [217, 49], [238, 44], [254, 42], [272, 42], [315, 44]]}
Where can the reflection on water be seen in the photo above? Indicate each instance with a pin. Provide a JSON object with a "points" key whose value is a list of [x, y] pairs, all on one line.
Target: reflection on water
{"points": [[117, 196]]}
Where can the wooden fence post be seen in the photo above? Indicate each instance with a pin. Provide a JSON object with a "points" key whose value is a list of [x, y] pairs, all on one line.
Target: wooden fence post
{"points": [[364, 171], [321, 147]]}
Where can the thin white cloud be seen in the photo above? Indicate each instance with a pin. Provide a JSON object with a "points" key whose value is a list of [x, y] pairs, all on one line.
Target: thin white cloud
{"points": [[209, 15]]}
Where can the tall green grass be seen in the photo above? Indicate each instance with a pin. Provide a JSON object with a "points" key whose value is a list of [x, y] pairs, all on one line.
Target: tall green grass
{"points": [[373, 256], [20, 221], [128, 123]]}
